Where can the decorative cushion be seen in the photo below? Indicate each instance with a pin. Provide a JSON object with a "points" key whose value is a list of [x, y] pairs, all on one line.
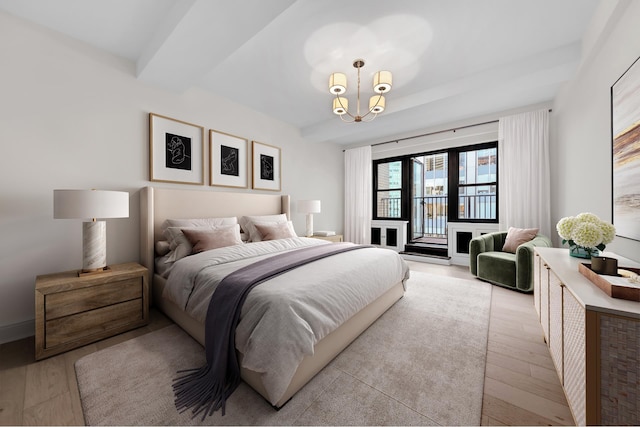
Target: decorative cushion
{"points": [[518, 236], [247, 224], [207, 239], [196, 222], [274, 231]]}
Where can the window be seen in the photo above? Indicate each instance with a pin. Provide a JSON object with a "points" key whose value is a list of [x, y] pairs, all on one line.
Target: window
{"points": [[456, 184], [388, 189], [476, 184]]}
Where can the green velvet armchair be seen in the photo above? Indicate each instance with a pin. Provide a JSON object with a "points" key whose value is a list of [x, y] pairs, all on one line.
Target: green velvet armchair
{"points": [[488, 262]]}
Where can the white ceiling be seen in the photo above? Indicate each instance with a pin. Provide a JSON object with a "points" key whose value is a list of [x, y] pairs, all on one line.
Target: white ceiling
{"points": [[451, 59]]}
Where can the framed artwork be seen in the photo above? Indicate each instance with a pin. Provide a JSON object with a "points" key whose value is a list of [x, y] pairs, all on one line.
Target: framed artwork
{"points": [[228, 160], [176, 151], [266, 167], [625, 136]]}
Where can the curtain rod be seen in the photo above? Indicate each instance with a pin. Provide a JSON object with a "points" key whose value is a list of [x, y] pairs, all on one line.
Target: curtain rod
{"points": [[437, 132]]}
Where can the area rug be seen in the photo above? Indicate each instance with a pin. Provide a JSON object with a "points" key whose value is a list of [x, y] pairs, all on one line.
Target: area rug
{"points": [[421, 363]]}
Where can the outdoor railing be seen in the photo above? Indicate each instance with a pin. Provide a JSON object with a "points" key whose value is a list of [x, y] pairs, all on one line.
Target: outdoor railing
{"points": [[433, 211]]}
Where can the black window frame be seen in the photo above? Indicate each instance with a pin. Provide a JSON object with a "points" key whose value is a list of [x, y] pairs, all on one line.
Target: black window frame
{"points": [[454, 183], [453, 154], [405, 197]]}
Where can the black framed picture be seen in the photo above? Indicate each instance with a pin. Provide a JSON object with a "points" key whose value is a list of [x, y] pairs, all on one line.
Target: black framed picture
{"points": [[175, 151], [266, 167], [228, 160]]}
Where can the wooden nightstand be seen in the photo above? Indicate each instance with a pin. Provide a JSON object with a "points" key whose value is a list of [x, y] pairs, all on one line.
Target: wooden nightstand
{"points": [[335, 238], [73, 311]]}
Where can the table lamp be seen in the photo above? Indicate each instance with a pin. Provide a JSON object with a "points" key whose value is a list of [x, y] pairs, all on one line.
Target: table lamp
{"points": [[90, 205], [309, 207]]}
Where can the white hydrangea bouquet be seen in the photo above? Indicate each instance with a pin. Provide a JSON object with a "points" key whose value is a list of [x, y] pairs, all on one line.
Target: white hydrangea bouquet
{"points": [[586, 234]]}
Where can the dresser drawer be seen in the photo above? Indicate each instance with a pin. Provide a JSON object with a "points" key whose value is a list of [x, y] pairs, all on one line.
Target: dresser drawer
{"points": [[79, 300], [96, 322]]}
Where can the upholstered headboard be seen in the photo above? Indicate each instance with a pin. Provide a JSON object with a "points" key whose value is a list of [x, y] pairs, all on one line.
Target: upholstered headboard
{"points": [[158, 204]]}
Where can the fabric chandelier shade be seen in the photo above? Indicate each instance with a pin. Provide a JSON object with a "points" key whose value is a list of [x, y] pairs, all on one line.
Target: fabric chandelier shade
{"points": [[382, 83], [91, 205], [309, 207]]}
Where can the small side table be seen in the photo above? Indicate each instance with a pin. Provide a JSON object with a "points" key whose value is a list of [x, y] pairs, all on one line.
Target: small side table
{"points": [[334, 238], [73, 311]]}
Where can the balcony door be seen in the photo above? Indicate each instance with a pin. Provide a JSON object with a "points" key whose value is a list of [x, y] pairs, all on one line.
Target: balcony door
{"points": [[429, 205]]}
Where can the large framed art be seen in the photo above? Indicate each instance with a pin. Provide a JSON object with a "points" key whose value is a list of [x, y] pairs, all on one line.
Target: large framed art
{"points": [[228, 160], [176, 151], [266, 166], [625, 136]]}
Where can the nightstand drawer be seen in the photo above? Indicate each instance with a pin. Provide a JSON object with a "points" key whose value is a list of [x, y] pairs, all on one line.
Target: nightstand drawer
{"points": [[79, 300], [74, 310], [93, 322]]}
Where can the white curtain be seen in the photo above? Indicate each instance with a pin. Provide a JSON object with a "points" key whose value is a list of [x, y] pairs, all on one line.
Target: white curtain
{"points": [[357, 195], [524, 177]]}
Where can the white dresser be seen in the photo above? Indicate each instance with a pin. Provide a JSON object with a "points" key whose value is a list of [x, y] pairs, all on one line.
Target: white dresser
{"points": [[594, 339]]}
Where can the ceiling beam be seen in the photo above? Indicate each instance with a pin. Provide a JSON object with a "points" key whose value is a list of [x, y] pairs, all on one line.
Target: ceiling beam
{"points": [[197, 35]]}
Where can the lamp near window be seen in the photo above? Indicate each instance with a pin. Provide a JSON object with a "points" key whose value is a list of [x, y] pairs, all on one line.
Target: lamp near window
{"points": [[91, 204], [309, 207]]}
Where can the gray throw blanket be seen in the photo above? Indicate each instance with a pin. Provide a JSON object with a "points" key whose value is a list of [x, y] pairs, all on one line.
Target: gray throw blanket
{"points": [[206, 389]]}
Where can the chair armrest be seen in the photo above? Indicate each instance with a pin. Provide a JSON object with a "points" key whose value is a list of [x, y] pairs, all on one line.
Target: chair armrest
{"points": [[524, 261]]}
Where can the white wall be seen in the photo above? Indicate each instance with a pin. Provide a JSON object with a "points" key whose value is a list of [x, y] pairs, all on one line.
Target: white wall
{"points": [[580, 146], [74, 117]]}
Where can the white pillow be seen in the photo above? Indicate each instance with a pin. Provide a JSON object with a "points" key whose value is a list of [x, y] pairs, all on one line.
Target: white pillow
{"points": [[162, 247], [246, 222]]}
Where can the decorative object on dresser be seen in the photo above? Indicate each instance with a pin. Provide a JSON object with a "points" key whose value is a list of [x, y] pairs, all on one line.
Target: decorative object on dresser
{"points": [[266, 166], [91, 204], [594, 340], [625, 138], [73, 311], [176, 151], [586, 234], [228, 160], [309, 207], [615, 285]]}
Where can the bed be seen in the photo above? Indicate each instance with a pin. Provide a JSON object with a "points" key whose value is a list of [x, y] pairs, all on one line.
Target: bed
{"points": [[160, 204]]}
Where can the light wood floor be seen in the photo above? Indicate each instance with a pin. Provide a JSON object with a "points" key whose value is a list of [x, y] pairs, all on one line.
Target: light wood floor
{"points": [[521, 386]]}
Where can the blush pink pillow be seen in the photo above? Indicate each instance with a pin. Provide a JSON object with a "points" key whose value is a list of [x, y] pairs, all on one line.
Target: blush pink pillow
{"points": [[213, 238], [274, 231], [518, 236]]}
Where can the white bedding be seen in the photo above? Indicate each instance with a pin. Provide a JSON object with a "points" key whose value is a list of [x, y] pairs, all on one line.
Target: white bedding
{"points": [[283, 318]]}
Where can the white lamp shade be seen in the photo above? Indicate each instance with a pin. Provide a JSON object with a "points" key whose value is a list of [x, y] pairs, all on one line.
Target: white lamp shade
{"points": [[337, 83], [70, 204], [376, 104], [340, 105], [309, 206], [382, 81]]}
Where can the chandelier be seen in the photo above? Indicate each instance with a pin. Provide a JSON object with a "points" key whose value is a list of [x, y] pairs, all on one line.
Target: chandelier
{"points": [[382, 81]]}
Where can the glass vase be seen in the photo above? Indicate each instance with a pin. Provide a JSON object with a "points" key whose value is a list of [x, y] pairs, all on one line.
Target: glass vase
{"points": [[582, 252]]}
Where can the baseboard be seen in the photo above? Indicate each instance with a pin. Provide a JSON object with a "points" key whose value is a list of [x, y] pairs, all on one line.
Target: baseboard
{"points": [[17, 331], [427, 259]]}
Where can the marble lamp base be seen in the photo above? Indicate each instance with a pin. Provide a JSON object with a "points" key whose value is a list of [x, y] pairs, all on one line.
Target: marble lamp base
{"points": [[309, 230], [94, 246]]}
